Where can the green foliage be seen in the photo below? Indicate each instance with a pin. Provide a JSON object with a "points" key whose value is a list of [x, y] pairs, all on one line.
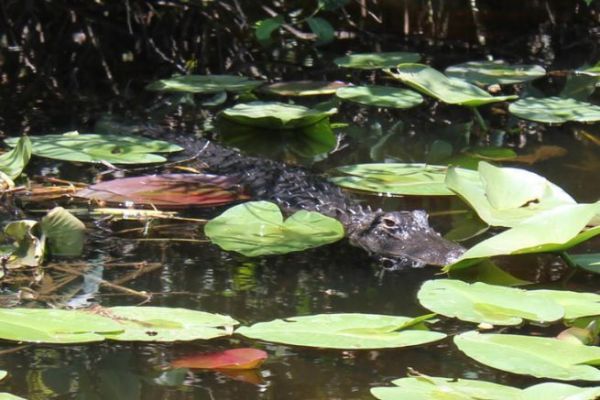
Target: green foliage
{"points": [[380, 96], [302, 88], [264, 28], [376, 60], [205, 84], [323, 29], [274, 115], [13, 162], [488, 73], [555, 110]]}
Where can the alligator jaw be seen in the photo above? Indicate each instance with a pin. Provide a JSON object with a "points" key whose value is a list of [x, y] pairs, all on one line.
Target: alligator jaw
{"points": [[405, 235]]}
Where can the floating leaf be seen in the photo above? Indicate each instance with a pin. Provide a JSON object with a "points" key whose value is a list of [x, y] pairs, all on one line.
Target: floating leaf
{"points": [[343, 331], [64, 232], [555, 110], [8, 396], [376, 60], [323, 29], [257, 228], [576, 305], [302, 88], [537, 356], [163, 324], [245, 358], [559, 391], [205, 84], [483, 303], [3, 374], [403, 179], [29, 249], [494, 72], [274, 115], [13, 162], [167, 190], [380, 96], [116, 149], [589, 262], [449, 90], [264, 28]]}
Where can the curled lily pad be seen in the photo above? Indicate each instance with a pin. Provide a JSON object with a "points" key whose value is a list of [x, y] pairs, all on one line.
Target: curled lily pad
{"points": [[13, 162], [204, 84], [449, 90], [555, 110], [257, 228], [495, 72], [344, 331], [274, 115], [94, 148], [302, 88], [376, 60], [64, 232], [380, 96]]}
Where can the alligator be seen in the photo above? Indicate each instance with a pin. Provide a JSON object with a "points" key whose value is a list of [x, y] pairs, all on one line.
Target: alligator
{"points": [[398, 238]]}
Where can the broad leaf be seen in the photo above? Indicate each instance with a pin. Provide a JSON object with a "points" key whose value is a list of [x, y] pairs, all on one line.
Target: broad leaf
{"points": [[343, 331], [401, 179], [559, 391], [480, 302], [302, 88], [3, 374], [8, 396], [29, 249], [264, 28], [555, 110], [166, 191], [13, 162], [164, 324], [323, 29], [380, 96], [488, 73], [257, 228], [575, 304], [244, 358], [449, 90], [64, 233], [274, 115], [589, 262], [205, 84], [94, 148], [537, 356], [376, 60]]}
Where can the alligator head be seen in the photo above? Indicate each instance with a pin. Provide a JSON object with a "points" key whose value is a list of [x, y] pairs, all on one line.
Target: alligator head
{"points": [[405, 237]]}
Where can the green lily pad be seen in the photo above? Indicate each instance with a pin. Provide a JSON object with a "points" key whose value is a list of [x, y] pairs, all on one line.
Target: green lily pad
{"points": [[64, 232], [13, 162], [343, 331], [589, 262], [274, 115], [3, 374], [505, 196], [54, 326], [380, 96], [559, 391], [555, 110], [257, 228], [164, 324], [205, 84], [28, 248], [376, 60], [530, 355], [575, 304], [494, 72], [480, 302], [302, 88], [94, 148], [400, 179], [433, 83], [8, 396]]}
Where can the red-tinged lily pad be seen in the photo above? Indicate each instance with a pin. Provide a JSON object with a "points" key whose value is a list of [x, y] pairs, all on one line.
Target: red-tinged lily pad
{"points": [[244, 358], [167, 191]]}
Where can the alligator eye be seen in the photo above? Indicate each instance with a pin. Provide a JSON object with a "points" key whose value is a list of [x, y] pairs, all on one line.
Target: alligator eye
{"points": [[390, 223]]}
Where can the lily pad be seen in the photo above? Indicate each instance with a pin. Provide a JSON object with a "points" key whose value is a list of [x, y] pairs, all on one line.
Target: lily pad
{"points": [[274, 115], [257, 228], [380, 96], [589, 262], [343, 331], [376, 60], [575, 304], [8, 396], [3, 374], [205, 84], [494, 72], [483, 303], [530, 355], [94, 148], [449, 90], [302, 88], [392, 178], [555, 110], [64, 232], [164, 324], [13, 162]]}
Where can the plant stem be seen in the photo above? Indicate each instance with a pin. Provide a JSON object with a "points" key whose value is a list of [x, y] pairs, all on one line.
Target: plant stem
{"points": [[480, 119]]}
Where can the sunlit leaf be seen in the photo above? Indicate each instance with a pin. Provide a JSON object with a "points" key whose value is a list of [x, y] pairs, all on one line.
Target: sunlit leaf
{"points": [[205, 84], [449, 90], [530, 355], [3, 374], [483, 303], [559, 391], [8, 396], [575, 304], [94, 148], [391, 178], [376, 60], [555, 110], [380, 96], [343, 331], [244, 358], [166, 191], [29, 249], [494, 72], [13, 162], [274, 115], [302, 88], [64, 232], [257, 228]]}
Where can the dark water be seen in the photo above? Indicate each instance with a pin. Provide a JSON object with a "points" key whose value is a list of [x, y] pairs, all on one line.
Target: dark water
{"points": [[334, 278]]}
